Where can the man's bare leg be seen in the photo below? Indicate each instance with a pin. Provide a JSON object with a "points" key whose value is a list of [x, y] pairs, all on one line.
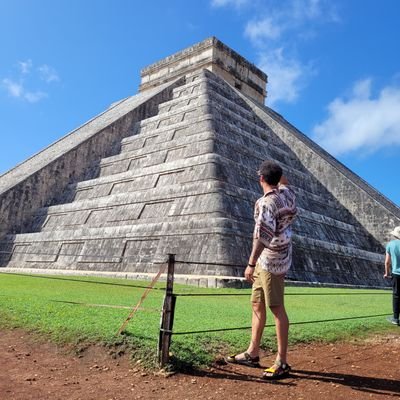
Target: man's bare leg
{"points": [[257, 328], [282, 332], [258, 320]]}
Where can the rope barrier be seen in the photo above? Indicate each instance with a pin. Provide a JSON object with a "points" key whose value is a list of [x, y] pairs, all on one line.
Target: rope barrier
{"points": [[80, 280], [372, 292], [214, 263], [286, 294], [120, 258], [270, 325]]}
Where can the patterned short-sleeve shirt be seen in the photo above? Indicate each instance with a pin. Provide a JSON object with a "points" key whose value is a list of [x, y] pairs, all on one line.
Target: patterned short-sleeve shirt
{"points": [[273, 215]]}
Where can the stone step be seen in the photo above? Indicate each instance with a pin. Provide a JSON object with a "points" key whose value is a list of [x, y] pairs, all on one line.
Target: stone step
{"points": [[179, 171], [188, 113], [320, 227], [225, 90], [203, 87], [205, 121], [121, 249], [193, 87], [233, 103], [129, 248], [133, 208], [161, 175], [208, 95], [140, 212], [133, 204], [171, 132], [213, 88], [186, 95], [247, 163], [184, 209], [173, 148], [317, 261], [173, 145]]}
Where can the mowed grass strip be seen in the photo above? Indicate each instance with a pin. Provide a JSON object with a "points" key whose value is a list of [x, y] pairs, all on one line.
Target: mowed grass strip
{"points": [[71, 309]]}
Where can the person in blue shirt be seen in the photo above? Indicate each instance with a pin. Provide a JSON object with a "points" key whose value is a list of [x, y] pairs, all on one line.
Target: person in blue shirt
{"points": [[392, 269]]}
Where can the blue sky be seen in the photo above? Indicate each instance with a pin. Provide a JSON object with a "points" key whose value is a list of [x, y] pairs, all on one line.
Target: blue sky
{"points": [[333, 67]]}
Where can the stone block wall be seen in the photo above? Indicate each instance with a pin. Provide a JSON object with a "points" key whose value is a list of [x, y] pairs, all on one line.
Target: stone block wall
{"points": [[39, 180], [377, 214]]}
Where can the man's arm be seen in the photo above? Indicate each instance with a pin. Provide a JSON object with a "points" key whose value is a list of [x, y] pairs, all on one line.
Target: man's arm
{"points": [[388, 266], [256, 251]]}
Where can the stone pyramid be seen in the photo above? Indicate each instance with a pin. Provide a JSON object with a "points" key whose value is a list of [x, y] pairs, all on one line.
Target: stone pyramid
{"points": [[173, 170]]}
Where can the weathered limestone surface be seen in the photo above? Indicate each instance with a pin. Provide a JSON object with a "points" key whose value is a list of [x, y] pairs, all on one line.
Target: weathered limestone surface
{"points": [[215, 56], [38, 180], [173, 170], [373, 210]]}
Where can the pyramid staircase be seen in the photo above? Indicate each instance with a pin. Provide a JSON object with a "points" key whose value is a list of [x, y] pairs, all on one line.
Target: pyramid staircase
{"points": [[184, 181]]}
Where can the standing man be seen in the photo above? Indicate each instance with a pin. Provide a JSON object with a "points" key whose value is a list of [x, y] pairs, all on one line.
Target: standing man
{"points": [[392, 268], [270, 259]]}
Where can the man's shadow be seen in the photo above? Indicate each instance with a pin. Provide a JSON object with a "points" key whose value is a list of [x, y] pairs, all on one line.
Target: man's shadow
{"points": [[356, 382], [365, 384]]}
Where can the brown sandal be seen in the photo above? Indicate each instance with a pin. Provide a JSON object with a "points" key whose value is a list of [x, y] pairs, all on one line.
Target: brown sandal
{"points": [[277, 372], [248, 360]]}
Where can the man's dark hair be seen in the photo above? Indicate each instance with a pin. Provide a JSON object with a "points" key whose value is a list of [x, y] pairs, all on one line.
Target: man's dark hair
{"points": [[271, 172]]}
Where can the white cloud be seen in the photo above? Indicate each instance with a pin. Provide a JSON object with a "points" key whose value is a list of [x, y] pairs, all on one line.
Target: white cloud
{"points": [[235, 3], [25, 66], [286, 77], [297, 16], [263, 29], [276, 31], [17, 90], [14, 89], [48, 74], [20, 87], [34, 97], [304, 11], [362, 122]]}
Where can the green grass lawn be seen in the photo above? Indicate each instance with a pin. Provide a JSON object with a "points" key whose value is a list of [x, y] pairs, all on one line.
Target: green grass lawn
{"points": [[82, 310]]}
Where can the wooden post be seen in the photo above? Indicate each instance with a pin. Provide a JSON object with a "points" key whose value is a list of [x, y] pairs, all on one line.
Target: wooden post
{"points": [[167, 315]]}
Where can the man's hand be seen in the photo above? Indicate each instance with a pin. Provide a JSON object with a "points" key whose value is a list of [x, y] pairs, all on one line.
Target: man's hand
{"points": [[388, 266], [249, 274], [283, 181]]}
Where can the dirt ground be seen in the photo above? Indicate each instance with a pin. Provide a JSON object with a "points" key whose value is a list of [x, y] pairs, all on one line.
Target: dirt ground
{"points": [[32, 369]]}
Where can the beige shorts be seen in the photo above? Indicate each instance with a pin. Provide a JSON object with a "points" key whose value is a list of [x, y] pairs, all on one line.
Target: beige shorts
{"points": [[267, 287]]}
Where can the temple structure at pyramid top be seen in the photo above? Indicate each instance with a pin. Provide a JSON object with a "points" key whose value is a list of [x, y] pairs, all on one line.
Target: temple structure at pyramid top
{"points": [[213, 55], [172, 169]]}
